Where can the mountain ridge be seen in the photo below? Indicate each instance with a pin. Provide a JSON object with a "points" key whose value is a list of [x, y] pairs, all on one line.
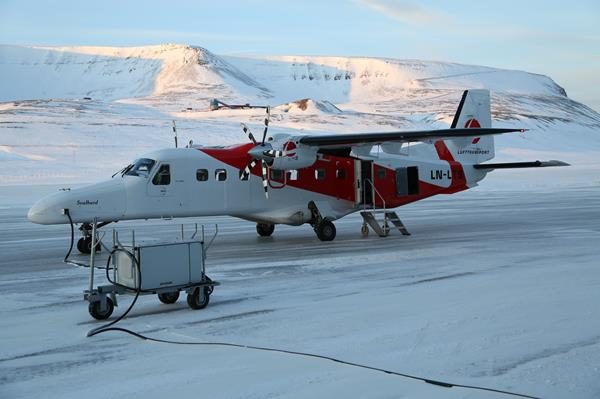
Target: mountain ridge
{"points": [[63, 107]]}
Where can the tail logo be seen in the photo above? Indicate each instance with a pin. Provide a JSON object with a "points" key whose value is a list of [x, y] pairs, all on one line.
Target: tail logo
{"points": [[470, 124]]}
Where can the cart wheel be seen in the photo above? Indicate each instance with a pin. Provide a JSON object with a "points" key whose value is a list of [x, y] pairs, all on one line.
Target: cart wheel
{"points": [[195, 301], [169, 297], [95, 309]]}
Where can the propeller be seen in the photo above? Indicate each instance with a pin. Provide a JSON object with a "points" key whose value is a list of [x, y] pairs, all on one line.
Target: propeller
{"points": [[249, 133], [262, 152]]}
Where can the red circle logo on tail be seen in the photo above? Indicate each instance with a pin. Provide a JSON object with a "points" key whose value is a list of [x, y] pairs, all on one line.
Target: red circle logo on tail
{"points": [[472, 123]]}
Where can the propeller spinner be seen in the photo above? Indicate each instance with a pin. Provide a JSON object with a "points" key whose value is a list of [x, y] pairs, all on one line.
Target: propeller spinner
{"points": [[262, 152]]}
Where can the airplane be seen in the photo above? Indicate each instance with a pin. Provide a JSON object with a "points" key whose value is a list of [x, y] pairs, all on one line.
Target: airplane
{"points": [[292, 179]]}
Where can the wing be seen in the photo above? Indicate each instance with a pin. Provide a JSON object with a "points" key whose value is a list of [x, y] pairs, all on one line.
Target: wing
{"points": [[352, 139]]}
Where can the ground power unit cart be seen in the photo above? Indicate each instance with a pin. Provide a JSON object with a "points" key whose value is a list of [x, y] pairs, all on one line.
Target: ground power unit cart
{"points": [[161, 268]]}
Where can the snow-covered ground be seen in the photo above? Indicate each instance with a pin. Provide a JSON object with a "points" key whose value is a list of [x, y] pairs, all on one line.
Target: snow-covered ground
{"points": [[497, 286]]}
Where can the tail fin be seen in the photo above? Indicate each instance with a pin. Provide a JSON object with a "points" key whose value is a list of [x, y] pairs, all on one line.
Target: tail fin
{"points": [[474, 111]]}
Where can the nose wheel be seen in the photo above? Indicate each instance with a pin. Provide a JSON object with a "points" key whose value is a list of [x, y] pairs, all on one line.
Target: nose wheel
{"points": [[265, 229], [84, 244]]}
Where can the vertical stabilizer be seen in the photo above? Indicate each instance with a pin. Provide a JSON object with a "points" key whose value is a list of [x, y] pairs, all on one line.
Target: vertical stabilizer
{"points": [[474, 111]]}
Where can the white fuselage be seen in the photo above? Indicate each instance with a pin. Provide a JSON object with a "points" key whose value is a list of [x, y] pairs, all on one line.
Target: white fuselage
{"points": [[203, 185]]}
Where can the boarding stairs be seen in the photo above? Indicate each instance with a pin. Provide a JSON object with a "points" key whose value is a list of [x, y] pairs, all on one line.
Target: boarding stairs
{"points": [[371, 215]]}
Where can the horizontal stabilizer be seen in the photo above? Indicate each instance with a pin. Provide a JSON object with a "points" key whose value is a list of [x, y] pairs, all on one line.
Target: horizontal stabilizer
{"points": [[516, 165]]}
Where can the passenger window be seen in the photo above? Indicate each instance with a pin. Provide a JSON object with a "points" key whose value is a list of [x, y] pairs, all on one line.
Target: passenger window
{"points": [[320, 174], [202, 175], [340, 174], [220, 175], [163, 176], [276, 174]]}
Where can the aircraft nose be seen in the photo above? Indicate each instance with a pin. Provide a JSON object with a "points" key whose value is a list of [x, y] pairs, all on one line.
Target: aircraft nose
{"points": [[35, 212], [104, 201], [48, 210]]}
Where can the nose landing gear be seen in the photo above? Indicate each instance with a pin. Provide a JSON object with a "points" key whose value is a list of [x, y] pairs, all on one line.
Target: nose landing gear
{"points": [[265, 229], [84, 244]]}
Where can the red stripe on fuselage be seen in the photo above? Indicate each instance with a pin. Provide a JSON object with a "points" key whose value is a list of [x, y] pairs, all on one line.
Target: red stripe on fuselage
{"points": [[235, 155], [333, 184], [385, 183], [386, 186], [343, 188], [459, 182]]}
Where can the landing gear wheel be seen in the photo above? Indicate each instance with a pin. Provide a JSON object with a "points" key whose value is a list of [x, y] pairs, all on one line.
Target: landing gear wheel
{"points": [[364, 230], [168, 297], [325, 230], [84, 245], [80, 245], [96, 310], [265, 229], [199, 299]]}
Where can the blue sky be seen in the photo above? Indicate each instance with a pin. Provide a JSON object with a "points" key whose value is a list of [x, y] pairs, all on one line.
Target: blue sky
{"points": [[557, 38]]}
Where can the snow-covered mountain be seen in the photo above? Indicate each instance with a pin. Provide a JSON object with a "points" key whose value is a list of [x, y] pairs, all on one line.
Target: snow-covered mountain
{"points": [[61, 108]]}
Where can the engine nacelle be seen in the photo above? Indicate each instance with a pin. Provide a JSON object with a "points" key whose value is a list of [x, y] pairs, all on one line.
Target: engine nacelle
{"points": [[297, 156]]}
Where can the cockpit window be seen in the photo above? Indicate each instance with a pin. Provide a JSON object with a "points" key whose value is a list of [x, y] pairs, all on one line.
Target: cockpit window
{"points": [[163, 176], [140, 167]]}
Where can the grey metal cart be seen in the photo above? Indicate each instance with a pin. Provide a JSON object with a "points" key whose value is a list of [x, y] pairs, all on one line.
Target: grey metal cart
{"points": [[161, 268]]}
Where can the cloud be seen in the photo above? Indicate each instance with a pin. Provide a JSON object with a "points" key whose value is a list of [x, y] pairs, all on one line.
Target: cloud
{"points": [[409, 12]]}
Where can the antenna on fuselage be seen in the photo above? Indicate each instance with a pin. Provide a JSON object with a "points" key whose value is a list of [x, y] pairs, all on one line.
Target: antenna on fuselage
{"points": [[175, 132]]}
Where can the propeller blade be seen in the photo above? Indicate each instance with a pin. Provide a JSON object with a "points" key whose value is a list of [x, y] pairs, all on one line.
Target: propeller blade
{"points": [[264, 178], [266, 125], [245, 173], [265, 131], [249, 133]]}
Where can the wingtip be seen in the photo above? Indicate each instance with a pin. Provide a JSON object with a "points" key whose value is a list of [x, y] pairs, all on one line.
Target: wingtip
{"points": [[555, 162]]}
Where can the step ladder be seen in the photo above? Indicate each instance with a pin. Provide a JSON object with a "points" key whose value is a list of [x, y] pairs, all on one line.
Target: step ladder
{"points": [[369, 211], [382, 230]]}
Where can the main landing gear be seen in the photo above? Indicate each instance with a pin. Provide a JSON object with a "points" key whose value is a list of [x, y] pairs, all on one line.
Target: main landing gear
{"points": [[324, 228]]}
